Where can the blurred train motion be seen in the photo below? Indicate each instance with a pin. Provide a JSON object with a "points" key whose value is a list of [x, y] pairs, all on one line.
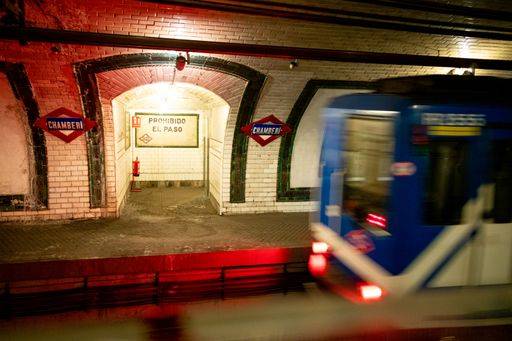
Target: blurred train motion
{"points": [[416, 187]]}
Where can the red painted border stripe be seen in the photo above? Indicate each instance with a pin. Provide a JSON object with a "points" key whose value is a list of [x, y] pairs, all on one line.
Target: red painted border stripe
{"points": [[149, 264]]}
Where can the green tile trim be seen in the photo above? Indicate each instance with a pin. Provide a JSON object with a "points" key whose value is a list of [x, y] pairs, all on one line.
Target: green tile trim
{"points": [[284, 193], [22, 89], [85, 73], [14, 202]]}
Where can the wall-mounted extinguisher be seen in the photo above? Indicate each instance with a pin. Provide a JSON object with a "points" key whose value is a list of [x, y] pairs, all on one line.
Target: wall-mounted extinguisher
{"points": [[136, 167]]}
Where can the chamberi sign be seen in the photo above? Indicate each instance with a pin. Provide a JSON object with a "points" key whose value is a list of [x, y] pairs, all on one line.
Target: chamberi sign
{"points": [[65, 124], [266, 130]]}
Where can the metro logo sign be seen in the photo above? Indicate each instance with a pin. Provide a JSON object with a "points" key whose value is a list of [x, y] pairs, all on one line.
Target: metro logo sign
{"points": [[65, 124], [403, 168], [360, 240], [266, 130]]}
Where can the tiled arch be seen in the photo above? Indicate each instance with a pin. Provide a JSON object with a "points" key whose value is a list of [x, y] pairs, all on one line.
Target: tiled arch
{"points": [[22, 89], [284, 191], [86, 72]]}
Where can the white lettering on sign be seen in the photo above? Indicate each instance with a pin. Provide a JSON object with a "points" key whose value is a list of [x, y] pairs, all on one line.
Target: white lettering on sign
{"points": [[264, 130], [433, 119], [167, 130], [65, 125]]}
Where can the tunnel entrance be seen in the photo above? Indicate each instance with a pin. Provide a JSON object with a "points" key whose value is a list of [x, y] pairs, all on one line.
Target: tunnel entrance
{"points": [[175, 134]]}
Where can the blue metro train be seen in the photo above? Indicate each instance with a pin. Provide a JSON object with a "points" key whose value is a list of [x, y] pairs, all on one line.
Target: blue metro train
{"points": [[416, 187]]}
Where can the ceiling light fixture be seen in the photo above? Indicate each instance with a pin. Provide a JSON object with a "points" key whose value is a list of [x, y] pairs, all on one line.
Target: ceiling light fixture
{"points": [[294, 63], [181, 61]]}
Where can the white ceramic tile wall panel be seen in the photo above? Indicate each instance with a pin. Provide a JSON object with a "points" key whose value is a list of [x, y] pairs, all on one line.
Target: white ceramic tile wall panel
{"points": [[308, 139], [122, 155], [216, 132], [160, 164], [14, 150]]}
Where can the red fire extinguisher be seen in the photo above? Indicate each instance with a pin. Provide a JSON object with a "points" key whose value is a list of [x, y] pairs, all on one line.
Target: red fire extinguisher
{"points": [[135, 172], [136, 167]]}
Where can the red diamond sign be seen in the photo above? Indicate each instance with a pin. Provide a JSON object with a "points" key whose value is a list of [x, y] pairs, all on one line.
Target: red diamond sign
{"points": [[65, 124], [266, 130]]}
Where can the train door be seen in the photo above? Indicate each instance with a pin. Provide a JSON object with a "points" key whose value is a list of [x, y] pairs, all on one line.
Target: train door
{"points": [[449, 214], [368, 154], [464, 207], [493, 246]]}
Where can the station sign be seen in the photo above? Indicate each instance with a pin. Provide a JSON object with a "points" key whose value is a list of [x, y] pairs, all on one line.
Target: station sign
{"points": [[65, 124], [167, 130], [266, 130]]}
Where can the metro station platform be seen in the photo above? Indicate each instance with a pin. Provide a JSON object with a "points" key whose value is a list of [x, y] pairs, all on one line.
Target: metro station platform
{"points": [[161, 231]]}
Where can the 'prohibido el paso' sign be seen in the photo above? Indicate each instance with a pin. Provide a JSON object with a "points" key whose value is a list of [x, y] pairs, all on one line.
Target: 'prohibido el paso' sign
{"points": [[167, 131]]}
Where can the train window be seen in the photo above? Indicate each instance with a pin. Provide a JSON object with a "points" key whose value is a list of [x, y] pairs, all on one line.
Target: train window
{"points": [[501, 151], [368, 155], [446, 182]]}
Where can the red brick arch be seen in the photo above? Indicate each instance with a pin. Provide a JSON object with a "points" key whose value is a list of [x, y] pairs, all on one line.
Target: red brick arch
{"points": [[88, 73]]}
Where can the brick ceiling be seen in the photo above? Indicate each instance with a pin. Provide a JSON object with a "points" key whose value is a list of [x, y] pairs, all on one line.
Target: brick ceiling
{"points": [[117, 82]]}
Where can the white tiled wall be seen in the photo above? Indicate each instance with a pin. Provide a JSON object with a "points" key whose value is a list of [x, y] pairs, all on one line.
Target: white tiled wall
{"points": [[216, 132], [122, 153], [14, 143], [173, 164], [161, 164], [305, 162]]}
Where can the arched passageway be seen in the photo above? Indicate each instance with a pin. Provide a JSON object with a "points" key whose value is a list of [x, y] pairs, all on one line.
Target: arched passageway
{"points": [[89, 78], [179, 139]]}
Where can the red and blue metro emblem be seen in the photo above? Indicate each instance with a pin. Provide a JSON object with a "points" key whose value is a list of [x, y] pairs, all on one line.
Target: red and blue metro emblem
{"points": [[65, 124], [266, 130]]}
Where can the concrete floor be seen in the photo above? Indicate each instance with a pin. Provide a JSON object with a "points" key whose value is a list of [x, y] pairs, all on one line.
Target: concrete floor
{"points": [[155, 221]]}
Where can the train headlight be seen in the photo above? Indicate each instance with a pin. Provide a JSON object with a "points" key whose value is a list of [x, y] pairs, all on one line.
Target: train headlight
{"points": [[370, 292], [319, 247]]}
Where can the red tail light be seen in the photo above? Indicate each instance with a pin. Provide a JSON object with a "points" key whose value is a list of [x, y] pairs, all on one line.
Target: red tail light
{"points": [[317, 264], [377, 220], [370, 292], [319, 247]]}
